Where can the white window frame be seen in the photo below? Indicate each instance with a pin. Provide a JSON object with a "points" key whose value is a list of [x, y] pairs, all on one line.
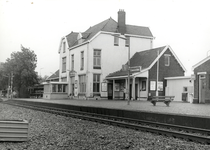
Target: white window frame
{"points": [[64, 64], [96, 59], [167, 59]]}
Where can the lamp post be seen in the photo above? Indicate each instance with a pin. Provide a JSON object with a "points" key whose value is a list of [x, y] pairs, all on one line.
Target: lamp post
{"points": [[128, 38]]}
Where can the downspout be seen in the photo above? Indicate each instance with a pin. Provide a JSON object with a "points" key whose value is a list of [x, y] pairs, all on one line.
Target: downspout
{"points": [[87, 72], [157, 74]]}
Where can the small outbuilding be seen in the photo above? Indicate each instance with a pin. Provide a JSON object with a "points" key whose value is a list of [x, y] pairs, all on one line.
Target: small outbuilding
{"points": [[53, 89], [180, 87], [202, 81]]}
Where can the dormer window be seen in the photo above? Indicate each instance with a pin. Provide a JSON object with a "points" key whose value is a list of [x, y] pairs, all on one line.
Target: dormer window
{"points": [[79, 38], [167, 59], [116, 40], [64, 47]]}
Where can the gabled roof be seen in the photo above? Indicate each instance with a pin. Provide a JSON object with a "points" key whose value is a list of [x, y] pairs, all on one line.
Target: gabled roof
{"points": [[146, 59], [201, 62], [108, 25], [53, 76]]}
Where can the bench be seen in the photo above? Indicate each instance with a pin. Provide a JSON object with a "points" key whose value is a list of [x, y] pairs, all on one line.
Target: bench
{"points": [[165, 99]]}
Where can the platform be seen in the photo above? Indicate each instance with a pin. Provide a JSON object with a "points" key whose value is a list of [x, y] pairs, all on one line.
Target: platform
{"points": [[175, 107]]}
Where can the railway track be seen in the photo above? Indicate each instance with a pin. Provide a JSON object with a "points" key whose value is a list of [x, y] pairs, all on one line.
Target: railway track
{"points": [[182, 132]]}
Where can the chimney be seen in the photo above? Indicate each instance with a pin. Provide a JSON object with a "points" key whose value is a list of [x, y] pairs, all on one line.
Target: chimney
{"points": [[121, 21]]}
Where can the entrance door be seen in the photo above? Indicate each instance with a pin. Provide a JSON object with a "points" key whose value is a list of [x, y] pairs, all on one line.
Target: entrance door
{"points": [[110, 91], [130, 91], [136, 91], [202, 88]]}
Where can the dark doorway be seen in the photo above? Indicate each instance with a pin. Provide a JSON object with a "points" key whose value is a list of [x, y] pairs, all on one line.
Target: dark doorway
{"points": [[136, 91], [110, 91]]}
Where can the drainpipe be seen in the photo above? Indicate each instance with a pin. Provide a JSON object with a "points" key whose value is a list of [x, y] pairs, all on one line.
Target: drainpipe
{"points": [[87, 72], [157, 74]]}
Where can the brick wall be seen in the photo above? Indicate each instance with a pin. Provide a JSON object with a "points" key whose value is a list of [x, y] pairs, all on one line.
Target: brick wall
{"points": [[173, 70], [205, 67]]}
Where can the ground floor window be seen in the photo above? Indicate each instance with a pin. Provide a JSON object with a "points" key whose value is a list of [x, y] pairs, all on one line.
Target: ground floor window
{"points": [[96, 82], [59, 88], [143, 85], [82, 83], [64, 79]]}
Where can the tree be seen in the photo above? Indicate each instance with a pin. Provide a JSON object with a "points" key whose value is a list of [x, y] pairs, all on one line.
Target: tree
{"points": [[3, 78], [22, 67]]}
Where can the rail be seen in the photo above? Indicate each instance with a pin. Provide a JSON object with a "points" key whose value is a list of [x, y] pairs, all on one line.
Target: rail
{"points": [[183, 132]]}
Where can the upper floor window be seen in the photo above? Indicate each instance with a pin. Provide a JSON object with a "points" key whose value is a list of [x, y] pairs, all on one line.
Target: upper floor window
{"points": [[127, 41], [82, 60], [167, 59], [97, 59], [64, 47], [116, 40], [64, 64], [72, 62]]}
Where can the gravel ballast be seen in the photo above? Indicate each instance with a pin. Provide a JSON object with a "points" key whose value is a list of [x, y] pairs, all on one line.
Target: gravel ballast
{"points": [[53, 132]]}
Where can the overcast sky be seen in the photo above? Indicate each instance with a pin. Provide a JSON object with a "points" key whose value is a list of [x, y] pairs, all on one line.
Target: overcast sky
{"points": [[40, 25]]}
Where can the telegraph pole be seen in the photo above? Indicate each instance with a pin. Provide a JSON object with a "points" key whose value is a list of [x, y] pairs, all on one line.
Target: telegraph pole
{"points": [[11, 84]]}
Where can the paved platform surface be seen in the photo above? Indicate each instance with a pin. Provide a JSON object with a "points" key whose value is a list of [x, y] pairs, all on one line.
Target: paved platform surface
{"points": [[175, 107]]}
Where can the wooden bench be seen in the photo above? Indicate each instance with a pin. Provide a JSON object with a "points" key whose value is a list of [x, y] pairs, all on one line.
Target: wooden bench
{"points": [[165, 99]]}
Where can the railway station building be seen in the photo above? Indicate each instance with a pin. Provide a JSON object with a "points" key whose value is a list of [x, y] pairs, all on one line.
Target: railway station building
{"points": [[90, 62], [86, 58]]}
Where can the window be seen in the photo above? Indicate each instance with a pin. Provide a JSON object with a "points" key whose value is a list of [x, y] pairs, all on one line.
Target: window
{"points": [[64, 79], [127, 41], [209, 81], [64, 64], [72, 62], [116, 40], [64, 47], [167, 59], [82, 60], [54, 88], [64, 88], [96, 82], [143, 86], [59, 87], [97, 59], [82, 83]]}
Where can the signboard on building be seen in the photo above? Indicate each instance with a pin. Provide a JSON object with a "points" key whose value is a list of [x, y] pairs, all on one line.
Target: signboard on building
{"points": [[152, 85], [72, 73], [104, 87], [135, 69], [160, 85]]}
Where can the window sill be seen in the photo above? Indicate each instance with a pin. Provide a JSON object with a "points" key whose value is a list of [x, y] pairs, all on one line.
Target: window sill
{"points": [[96, 67]]}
